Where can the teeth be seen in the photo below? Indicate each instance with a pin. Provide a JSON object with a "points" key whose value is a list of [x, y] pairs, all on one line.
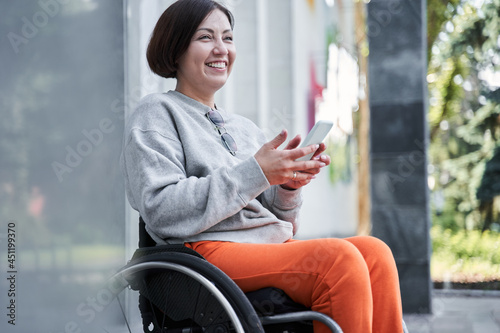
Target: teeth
{"points": [[217, 64]]}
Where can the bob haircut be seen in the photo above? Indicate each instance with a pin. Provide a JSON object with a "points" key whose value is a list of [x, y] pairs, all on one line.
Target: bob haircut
{"points": [[173, 33]]}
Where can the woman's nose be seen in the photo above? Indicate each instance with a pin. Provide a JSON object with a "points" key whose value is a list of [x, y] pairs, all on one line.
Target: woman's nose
{"points": [[220, 47]]}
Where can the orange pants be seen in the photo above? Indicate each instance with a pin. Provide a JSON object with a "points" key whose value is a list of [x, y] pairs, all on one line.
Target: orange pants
{"points": [[352, 280]]}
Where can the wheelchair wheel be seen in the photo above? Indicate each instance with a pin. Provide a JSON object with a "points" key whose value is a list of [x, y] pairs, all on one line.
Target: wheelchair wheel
{"points": [[178, 292]]}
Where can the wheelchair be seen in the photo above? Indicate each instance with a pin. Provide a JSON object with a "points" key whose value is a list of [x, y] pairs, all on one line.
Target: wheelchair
{"points": [[181, 292]]}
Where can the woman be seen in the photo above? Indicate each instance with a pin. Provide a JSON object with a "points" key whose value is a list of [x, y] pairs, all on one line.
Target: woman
{"points": [[208, 179]]}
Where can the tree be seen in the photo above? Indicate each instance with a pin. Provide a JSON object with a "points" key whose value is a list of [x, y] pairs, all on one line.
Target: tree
{"points": [[464, 110]]}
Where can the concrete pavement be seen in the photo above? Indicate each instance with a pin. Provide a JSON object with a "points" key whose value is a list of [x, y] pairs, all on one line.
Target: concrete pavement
{"points": [[459, 311]]}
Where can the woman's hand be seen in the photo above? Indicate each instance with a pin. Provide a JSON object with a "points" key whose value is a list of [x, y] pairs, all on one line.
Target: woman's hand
{"points": [[293, 184], [280, 166]]}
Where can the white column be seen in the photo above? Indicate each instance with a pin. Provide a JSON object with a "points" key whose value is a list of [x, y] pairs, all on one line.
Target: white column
{"points": [[262, 64]]}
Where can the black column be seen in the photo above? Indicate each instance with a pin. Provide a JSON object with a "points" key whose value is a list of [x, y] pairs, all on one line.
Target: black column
{"points": [[398, 139]]}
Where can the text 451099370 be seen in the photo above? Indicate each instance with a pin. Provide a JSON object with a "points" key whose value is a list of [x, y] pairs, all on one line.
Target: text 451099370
{"points": [[11, 272]]}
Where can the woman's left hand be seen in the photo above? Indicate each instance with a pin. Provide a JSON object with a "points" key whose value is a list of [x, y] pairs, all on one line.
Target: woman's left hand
{"points": [[294, 143]]}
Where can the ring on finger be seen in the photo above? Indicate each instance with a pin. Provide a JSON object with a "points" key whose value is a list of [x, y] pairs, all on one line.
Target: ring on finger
{"points": [[294, 175]]}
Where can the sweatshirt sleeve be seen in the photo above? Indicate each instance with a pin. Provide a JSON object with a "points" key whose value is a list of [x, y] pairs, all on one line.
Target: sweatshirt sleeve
{"points": [[174, 205], [285, 204]]}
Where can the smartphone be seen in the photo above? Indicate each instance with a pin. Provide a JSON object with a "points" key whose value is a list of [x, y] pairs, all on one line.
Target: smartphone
{"points": [[316, 136]]}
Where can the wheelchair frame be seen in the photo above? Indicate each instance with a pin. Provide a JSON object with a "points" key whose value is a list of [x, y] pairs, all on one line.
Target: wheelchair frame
{"points": [[242, 314]]}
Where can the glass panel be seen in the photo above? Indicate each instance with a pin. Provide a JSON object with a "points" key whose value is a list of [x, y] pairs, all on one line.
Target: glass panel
{"points": [[62, 201]]}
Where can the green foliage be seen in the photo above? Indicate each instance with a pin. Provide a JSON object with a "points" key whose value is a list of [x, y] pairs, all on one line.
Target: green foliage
{"points": [[464, 112], [342, 160], [464, 244], [438, 12], [490, 183], [465, 255]]}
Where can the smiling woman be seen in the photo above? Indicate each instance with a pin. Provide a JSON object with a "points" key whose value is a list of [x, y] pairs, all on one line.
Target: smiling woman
{"points": [[209, 179]]}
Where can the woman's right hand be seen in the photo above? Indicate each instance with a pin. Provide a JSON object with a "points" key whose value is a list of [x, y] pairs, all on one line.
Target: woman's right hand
{"points": [[280, 166]]}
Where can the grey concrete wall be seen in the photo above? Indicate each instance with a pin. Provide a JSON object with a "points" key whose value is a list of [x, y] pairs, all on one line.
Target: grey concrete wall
{"points": [[398, 138]]}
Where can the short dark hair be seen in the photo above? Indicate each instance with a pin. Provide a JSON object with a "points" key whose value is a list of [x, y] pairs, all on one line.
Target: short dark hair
{"points": [[173, 33]]}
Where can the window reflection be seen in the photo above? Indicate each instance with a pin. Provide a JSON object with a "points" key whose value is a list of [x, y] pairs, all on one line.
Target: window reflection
{"points": [[60, 139]]}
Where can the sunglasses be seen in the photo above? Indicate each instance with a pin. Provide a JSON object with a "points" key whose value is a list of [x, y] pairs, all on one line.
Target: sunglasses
{"points": [[227, 140]]}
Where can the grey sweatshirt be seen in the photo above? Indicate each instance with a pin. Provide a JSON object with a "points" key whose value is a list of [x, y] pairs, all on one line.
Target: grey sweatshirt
{"points": [[186, 185]]}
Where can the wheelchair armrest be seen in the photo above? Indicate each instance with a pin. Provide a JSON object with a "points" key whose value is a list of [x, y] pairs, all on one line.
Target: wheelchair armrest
{"points": [[301, 316]]}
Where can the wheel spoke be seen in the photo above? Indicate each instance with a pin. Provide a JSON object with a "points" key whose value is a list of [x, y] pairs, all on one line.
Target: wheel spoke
{"points": [[124, 315]]}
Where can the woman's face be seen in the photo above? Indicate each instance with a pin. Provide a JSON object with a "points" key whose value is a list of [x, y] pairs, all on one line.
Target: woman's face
{"points": [[207, 63]]}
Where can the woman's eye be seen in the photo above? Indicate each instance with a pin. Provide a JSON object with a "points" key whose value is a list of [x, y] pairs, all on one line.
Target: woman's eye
{"points": [[230, 38], [204, 37]]}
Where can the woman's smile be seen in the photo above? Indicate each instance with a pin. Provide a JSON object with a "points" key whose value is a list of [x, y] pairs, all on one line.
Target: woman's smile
{"points": [[218, 65]]}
